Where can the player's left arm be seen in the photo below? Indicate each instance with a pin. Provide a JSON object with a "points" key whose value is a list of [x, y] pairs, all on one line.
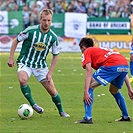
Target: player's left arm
{"points": [[51, 69], [55, 52], [129, 87]]}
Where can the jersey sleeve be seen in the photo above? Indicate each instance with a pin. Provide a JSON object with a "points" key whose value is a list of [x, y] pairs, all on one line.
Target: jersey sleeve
{"points": [[86, 58], [22, 36], [55, 48]]}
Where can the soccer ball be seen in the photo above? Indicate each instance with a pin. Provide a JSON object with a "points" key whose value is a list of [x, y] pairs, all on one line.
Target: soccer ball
{"points": [[25, 111]]}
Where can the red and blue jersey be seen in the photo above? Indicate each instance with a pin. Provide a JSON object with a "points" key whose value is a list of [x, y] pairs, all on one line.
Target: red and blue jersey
{"points": [[102, 57]]}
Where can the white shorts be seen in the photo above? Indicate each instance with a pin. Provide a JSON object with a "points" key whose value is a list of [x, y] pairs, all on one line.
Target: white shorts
{"points": [[39, 73]]}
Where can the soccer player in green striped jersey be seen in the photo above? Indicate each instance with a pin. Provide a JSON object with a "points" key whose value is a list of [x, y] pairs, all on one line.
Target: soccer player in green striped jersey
{"points": [[36, 43]]}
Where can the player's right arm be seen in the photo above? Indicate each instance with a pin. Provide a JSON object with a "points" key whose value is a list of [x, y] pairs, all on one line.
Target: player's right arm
{"points": [[87, 98], [21, 37], [12, 51]]}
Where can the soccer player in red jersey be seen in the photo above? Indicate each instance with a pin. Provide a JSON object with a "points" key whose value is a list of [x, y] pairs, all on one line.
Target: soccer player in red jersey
{"points": [[111, 67]]}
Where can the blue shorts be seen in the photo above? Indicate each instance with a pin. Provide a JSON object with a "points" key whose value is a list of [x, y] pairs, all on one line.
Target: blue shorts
{"points": [[114, 75]]}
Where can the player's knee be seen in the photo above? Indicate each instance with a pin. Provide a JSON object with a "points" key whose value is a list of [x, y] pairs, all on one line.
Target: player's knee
{"points": [[52, 92], [23, 80], [113, 91], [49, 86]]}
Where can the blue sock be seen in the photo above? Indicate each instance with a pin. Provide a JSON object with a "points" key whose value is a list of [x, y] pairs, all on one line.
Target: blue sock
{"points": [[131, 68], [121, 103], [88, 108]]}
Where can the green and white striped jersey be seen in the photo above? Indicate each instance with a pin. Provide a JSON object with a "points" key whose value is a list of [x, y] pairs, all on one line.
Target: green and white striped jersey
{"points": [[36, 46]]}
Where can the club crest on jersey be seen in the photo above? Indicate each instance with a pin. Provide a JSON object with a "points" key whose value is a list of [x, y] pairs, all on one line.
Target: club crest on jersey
{"points": [[39, 46]]}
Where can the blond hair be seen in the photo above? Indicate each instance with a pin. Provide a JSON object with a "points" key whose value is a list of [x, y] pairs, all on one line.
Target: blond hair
{"points": [[46, 12]]}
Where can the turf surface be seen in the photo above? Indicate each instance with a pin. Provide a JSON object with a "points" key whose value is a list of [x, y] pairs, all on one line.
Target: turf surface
{"points": [[69, 81]]}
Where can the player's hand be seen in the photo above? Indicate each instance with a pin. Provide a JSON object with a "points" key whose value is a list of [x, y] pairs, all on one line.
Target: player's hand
{"points": [[130, 93], [10, 62], [48, 77], [87, 99]]}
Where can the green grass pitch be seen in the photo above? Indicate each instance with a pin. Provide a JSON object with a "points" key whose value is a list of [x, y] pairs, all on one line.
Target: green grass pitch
{"points": [[68, 77]]}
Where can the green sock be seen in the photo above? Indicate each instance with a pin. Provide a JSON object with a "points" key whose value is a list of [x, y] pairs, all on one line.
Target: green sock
{"points": [[57, 100], [27, 93]]}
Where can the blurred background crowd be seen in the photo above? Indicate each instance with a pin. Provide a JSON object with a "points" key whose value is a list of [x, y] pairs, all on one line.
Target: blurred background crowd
{"points": [[93, 8]]}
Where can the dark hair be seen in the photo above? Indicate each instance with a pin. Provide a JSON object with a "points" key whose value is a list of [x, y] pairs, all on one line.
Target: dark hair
{"points": [[86, 42]]}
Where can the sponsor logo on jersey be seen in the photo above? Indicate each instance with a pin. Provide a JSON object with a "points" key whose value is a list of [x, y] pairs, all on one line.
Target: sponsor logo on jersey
{"points": [[39, 46]]}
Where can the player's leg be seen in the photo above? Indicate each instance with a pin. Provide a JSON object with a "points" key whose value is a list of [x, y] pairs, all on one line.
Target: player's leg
{"points": [[23, 80], [87, 119], [23, 76], [88, 108], [100, 77], [120, 102], [49, 86]]}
